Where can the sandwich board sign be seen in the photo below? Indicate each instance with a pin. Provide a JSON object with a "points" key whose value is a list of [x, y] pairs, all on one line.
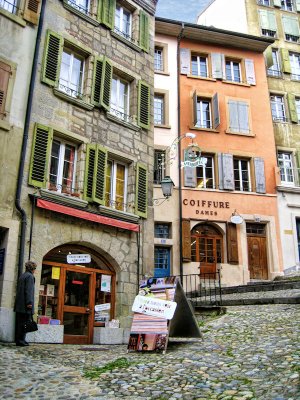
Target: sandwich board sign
{"points": [[161, 310]]}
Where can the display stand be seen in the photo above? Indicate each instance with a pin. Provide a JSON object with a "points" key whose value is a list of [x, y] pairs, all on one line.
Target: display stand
{"points": [[149, 331]]}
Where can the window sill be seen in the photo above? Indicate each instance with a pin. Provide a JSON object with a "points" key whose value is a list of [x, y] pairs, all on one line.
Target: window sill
{"points": [[13, 17], [73, 100], [237, 83], [240, 133], [202, 78], [162, 73], [4, 125], [288, 188], [117, 214], [129, 125], [162, 126], [127, 42], [275, 121], [80, 14], [62, 198], [208, 130]]}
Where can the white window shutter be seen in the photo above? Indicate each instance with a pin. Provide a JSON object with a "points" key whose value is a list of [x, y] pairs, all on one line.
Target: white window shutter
{"points": [[190, 179], [216, 113], [217, 62], [250, 72], [185, 61], [260, 179], [227, 164], [220, 170]]}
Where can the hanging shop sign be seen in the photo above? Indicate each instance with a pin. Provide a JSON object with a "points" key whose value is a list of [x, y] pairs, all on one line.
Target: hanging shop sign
{"points": [[192, 157], [236, 219], [78, 258]]}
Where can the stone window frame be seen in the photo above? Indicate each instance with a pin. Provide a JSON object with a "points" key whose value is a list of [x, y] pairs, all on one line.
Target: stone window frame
{"points": [[164, 47], [5, 121], [165, 94]]}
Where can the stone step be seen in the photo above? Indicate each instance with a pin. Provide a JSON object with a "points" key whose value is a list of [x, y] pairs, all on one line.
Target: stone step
{"points": [[262, 287]]}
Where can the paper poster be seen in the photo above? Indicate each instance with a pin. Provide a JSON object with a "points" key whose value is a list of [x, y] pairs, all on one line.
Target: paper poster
{"points": [[55, 273], [153, 306], [50, 290], [101, 307], [105, 283]]}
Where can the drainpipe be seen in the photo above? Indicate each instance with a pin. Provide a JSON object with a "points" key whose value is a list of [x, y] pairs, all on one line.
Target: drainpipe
{"points": [[25, 140], [179, 151]]}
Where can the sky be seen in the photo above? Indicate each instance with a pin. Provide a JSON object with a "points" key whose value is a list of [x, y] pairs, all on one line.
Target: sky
{"points": [[181, 10]]}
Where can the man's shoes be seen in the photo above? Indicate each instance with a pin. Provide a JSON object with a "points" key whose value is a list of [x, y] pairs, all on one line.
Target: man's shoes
{"points": [[22, 343]]}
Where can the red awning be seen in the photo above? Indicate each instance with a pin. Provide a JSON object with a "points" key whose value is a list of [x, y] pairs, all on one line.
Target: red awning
{"points": [[86, 215]]}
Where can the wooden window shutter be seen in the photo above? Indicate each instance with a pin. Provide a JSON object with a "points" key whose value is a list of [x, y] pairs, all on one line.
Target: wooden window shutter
{"points": [[269, 57], [41, 147], [227, 170], [97, 81], [232, 244], [285, 57], [95, 173], [217, 63], [250, 72], [195, 117], [144, 105], [106, 12], [185, 61], [106, 83], [260, 179], [215, 109], [144, 31], [141, 191], [32, 11], [5, 72], [220, 171], [186, 240], [292, 107], [52, 58], [190, 179]]}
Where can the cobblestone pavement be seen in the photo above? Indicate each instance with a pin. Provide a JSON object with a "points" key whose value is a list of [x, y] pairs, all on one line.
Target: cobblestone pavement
{"points": [[252, 352]]}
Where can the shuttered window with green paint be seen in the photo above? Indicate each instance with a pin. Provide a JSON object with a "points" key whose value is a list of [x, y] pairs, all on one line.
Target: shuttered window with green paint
{"points": [[95, 172], [52, 58], [144, 105], [106, 12], [141, 195], [144, 31]]}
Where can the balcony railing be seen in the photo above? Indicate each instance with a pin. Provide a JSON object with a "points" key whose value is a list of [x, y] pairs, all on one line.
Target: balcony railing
{"points": [[84, 10], [122, 116], [70, 92], [125, 35], [274, 72]]}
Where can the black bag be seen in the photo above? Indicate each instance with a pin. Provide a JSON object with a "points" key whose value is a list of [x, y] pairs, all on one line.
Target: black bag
{"points": [[30, 325]]}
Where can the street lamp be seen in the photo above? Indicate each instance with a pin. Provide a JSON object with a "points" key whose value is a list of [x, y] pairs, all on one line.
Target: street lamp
{"points": [[167, 187]]}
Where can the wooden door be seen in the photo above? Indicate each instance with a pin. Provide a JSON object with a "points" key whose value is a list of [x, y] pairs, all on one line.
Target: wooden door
{"points": [[76, 311], [257, 257], [210, 250]]}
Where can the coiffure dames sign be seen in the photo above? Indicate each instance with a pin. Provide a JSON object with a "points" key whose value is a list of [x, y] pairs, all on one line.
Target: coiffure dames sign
{"points": [[206, 207]]}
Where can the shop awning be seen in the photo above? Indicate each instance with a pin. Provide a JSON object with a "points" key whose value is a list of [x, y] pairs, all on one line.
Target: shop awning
{"points": [[48, 205]]}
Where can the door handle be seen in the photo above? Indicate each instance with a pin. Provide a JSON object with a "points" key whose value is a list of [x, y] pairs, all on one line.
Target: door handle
{"points": [[88, 310]]}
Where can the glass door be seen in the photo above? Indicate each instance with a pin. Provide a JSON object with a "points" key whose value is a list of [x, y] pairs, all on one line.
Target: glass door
{"points": [[77, 313]]}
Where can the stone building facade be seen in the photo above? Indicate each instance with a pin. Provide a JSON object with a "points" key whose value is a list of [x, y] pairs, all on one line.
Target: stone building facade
{"points": [[86, 186]]}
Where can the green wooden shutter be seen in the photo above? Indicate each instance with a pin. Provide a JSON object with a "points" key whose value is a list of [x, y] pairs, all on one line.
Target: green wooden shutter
{"points": [[95, 173], [97, 80], [144, 31], [41, 147], [269, 57], [285, 57], [106, 12], [290, 25], [141, 190], [52, 58], [144, 105], [292, 107], [106, 84]]}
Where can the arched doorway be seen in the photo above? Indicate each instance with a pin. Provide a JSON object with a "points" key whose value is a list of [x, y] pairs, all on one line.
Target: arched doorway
{"points": [[77, 288], [206, 248]]}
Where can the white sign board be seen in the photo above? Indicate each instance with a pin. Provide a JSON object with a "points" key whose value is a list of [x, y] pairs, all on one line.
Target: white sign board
{"points": [[154, 306], [105, 283], [78, 258], [101, 307], [236, 219]]}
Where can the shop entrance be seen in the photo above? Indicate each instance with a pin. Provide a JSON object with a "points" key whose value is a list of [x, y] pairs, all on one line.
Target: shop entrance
{"points": [[80, 297], [257, 251]]}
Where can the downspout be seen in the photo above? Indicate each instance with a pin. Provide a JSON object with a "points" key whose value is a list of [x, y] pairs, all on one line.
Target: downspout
{"points": [[25, 140], [179, 151]]}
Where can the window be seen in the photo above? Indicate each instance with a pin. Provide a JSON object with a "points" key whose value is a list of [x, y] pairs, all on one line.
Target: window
{"points": [[206, 111], [238, 116], [268, 23], [278, 108], [241, 175], [159, 166], [291, 28], [161, 261], [123, 22], [233, 71], [206, 245], [287, 5], [274, 70], [297, 102], [295, 66], [116, 184], [71, 74], [158, 59], [263, 2], [162, 230], [10, 5], [203, 114], [205, 173], [80, 5], [199, 66], [62, 166], [285, 163], [119, 102], [159, 109]]}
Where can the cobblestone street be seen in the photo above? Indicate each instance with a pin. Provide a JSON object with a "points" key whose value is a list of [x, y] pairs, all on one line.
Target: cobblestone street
{"points": [[252, 352]]}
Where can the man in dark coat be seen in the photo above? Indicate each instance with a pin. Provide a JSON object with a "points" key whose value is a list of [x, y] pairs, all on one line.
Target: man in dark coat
{"points": [[24, 304]]}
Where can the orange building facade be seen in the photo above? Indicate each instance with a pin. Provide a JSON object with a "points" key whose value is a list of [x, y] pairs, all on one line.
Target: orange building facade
{"points": [[227, 196]]}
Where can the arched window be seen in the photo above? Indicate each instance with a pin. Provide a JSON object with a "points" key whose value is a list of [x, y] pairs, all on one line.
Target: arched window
{"points": [[206, 245]]}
